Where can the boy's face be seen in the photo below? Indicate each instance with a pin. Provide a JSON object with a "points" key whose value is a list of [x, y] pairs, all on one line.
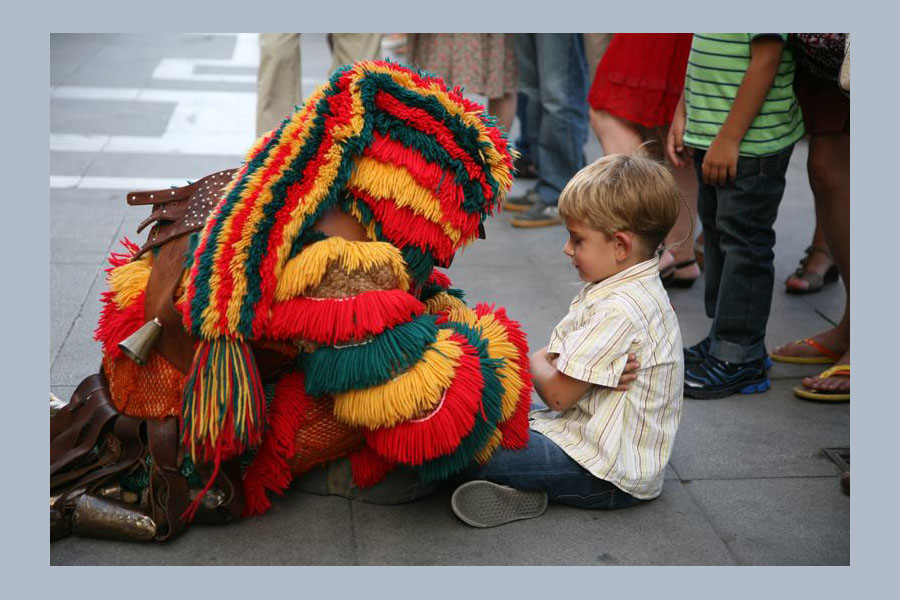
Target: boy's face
{"points": [[594, 255]]}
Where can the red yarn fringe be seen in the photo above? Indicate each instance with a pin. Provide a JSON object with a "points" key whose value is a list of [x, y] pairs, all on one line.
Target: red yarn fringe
{"points": [[333, 320], [116, 323], [368, 468], [440, 279], [269, 469], [118, 259], [439, 433]]}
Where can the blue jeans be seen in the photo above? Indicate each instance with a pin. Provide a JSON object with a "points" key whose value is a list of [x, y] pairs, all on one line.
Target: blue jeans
{"points": [[543, 466], [739, 238], [553, 77]]}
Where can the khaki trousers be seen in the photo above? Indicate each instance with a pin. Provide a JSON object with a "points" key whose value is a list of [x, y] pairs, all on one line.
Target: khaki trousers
{"points": [[278, 82]]}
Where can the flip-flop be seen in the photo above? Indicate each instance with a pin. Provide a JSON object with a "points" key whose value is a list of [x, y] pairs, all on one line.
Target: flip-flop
{"points": [[821, 396], [827, 356]]}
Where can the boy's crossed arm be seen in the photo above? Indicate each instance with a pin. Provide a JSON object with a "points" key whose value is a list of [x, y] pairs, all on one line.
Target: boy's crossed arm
{"points": [[559, 391]]}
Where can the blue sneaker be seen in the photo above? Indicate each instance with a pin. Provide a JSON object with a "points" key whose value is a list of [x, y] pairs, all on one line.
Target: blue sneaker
{"points": [[699, 351], [714, 378]]}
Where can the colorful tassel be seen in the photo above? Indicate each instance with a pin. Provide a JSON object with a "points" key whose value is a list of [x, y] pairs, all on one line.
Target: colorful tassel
{"points": [[337, 320], [335, 369], [222, 413]]}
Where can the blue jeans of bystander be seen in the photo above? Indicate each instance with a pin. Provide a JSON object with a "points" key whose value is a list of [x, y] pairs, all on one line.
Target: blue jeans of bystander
{"points": [[553, 76], [739, 238]]}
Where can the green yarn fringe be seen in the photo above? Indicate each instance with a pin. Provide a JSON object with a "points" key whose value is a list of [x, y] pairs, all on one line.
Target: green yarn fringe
{"points": [[331, 370]]}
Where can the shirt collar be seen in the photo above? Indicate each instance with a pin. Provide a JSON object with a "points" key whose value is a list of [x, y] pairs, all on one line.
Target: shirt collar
{"points": [[642, 270]]}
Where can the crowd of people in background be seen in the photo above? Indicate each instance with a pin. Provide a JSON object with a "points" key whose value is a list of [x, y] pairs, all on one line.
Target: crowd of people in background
{"points": [[722, 111]]}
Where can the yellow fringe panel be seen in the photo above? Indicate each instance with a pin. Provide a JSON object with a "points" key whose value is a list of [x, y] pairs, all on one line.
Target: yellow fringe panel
{"points": [[484, 455], [408, 395], [305, 271], [383, 180], [128, 281], [443, 301]]}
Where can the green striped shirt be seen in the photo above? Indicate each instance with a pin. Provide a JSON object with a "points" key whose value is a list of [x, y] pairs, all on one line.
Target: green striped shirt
{"points": [[716, 67]]}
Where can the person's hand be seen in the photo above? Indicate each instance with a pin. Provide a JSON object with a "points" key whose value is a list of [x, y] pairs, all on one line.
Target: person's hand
{"points": [[629, 374], [678, 155], [720, 164]]}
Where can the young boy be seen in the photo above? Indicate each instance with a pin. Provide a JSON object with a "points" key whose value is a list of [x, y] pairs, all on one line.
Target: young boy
{"points": [[740, 119], [603, 443]]}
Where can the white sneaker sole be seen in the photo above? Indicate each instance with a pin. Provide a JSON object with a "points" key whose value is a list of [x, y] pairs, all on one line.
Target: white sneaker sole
{"points": [[486, 504]]}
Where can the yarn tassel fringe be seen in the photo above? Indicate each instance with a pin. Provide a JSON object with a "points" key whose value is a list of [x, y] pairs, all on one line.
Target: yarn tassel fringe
{"points": [[368, 468], [440, 432], [270, 469], [331, 321]]}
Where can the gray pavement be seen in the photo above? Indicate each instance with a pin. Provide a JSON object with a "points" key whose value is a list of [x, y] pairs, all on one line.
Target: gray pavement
{"points": [[746, 485]]}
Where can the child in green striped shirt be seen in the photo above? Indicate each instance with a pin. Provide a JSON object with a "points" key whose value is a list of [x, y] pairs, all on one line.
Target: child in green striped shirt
{"points": [[737, 121]]}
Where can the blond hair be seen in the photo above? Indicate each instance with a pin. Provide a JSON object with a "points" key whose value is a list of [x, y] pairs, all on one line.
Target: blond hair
{"points": [[621, 192]]}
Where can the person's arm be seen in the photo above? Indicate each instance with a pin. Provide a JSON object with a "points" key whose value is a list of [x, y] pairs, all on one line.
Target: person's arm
{"points": [[675, 140], [720, 163], [559, 391]]}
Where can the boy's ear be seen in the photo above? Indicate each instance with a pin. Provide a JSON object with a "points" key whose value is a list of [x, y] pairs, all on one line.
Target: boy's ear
{"points": [[624, 245]]}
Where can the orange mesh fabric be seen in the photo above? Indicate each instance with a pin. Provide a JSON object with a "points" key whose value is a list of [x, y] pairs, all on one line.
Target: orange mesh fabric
{"points": [[152, 391], [322, 438]]}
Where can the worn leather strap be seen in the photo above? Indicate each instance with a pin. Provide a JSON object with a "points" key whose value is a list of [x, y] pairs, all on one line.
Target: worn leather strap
{"points": [[179, 211], [175, 343], [169, 492], [89, 412]]}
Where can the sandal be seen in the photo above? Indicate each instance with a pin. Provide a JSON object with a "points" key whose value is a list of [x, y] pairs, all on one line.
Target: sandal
{"points": [[826, 356], [668, 275], [815, 280], [823, 396]]}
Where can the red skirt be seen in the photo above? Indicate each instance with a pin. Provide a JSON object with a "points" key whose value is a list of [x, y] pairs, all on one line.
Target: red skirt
{"points": [[641, 76]]}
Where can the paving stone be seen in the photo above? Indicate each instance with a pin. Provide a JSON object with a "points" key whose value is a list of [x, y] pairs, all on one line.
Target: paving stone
{"points": [[109, 117], [668, 530], [151, 165], [773, 434], [70, 285], [299, 529], [789, 521], [83, 224]]}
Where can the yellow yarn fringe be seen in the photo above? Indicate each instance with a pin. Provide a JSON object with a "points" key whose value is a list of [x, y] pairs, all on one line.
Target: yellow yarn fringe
{"points": [[305, 271], [128, 281], [500, 347], [383, 180], [484, 455], [408, 395], [443, 301]]}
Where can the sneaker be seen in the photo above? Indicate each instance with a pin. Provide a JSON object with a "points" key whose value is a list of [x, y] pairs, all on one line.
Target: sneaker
{"points": [[698, 353], [539, 215], [522, 203], [714, 378], [486, 504]]}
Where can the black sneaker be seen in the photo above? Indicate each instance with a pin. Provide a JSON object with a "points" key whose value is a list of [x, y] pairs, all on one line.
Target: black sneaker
{"points": [[714, 378], [522, 203], [485, 504], [699, 351]]}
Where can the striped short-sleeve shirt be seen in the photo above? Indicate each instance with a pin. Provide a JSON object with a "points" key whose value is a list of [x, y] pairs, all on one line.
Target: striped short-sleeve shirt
{"points": [[625, 437], [716, 67]]}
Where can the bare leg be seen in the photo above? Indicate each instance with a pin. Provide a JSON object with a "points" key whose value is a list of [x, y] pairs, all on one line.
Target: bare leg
{"points": [[616, 135], [504, 108], [829, 169], [681, 237]]}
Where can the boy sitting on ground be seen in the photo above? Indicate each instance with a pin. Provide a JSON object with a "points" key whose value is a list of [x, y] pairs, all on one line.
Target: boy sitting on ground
{"points": [[600, 444]]}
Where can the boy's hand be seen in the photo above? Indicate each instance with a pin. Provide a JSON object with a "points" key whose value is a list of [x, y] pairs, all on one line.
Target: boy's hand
{"points": [[675, 139], [629, 374], [720, 164]]}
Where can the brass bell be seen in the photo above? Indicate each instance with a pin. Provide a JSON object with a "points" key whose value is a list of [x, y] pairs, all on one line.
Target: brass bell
{"points": [[138, 345]]}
